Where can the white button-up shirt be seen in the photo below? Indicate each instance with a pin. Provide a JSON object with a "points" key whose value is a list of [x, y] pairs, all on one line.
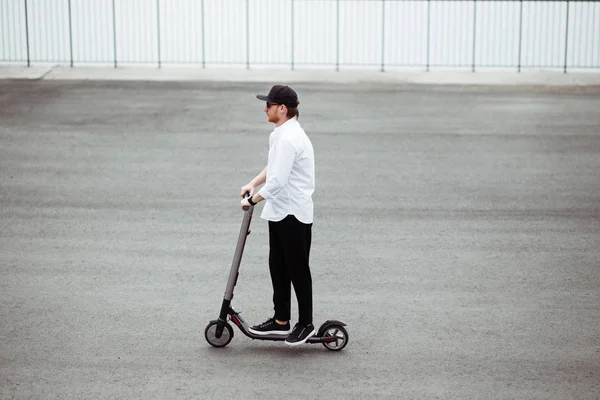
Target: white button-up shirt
{"points": [[290, 179]]}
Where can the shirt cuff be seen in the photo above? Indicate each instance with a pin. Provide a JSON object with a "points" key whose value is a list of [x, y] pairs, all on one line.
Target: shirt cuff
{"points": [[265, 194]]}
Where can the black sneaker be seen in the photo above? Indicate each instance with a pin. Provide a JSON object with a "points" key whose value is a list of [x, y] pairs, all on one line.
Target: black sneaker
{"points": [[271, 327], [300, 334]]}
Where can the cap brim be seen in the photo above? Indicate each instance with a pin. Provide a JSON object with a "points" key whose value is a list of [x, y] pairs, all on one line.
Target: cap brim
{"points": [[262, 97]]}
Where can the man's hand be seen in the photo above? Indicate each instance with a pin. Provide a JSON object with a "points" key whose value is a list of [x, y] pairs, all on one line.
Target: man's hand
{"points": [[244, 204], [249, 188]]}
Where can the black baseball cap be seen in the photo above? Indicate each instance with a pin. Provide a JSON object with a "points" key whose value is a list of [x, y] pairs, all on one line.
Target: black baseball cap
{"points": [[281, 94]]}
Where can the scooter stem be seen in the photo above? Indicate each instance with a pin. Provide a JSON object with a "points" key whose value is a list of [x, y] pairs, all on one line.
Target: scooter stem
{"points": [[239, 251], [234, 273]]}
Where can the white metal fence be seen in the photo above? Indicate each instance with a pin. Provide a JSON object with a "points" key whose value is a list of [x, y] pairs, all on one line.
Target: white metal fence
{"points": [[294, 33]]}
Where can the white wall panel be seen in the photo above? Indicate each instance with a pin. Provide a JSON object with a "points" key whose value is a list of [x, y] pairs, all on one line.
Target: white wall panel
{"points": [[181, 31], [49, 30], [315, 39], [584, 34], [544, 26], [270, 31], [451, 33], [226, 31], [497, 38], [13, 40], [136, 25], [405, 33], [92, 31], [360, 32]]}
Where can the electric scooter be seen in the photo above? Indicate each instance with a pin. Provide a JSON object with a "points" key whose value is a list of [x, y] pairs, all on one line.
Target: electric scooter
{"points": [[219, 332]]}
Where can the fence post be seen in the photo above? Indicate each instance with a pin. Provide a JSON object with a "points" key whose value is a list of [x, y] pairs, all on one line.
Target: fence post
{"points": [[382, 35], [247, 34], [293, 28], [27, 34], [70, 34], [114, 33], [337, 47], [158, 30], [428, 32], [474, 32], [520, 36], [566, 37], [203, 40]]}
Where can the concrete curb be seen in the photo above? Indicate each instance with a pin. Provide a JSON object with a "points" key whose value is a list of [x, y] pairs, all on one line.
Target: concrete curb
{"points": [[32, 73], [544, 78]]}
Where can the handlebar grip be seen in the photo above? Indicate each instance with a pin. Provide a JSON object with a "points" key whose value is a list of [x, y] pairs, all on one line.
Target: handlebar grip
{"points": [[246, 195]]}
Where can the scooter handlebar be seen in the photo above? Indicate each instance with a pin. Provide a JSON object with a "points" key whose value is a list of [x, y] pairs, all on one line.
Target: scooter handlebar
{"points": [[246, 195]]}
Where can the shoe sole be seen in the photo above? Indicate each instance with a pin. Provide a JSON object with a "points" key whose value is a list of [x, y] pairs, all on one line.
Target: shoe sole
{"points": [[264, 333], [302, 341]]}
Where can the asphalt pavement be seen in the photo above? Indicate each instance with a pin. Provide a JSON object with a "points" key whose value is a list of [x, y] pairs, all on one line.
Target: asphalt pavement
{"points": [[456, 233]]}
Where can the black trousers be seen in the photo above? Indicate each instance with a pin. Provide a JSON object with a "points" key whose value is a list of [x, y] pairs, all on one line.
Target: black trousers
{"points": [[289, 252]]}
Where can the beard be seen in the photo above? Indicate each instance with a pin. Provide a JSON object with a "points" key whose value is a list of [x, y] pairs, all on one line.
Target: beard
{"points": [[273, 118]]}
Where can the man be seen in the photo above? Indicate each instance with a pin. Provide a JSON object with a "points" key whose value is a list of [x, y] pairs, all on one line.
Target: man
{"points": [[289, 180]]}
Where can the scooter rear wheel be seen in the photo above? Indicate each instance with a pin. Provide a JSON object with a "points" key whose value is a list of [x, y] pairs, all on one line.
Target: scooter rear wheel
{"points": [[213, 340], [335, 337]]}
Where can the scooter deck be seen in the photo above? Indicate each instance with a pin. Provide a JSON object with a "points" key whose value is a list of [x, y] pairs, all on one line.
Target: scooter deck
{"points": [[239, 321]]}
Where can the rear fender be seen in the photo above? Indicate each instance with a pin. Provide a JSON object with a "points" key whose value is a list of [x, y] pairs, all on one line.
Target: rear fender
{"points": [[327, 324]]}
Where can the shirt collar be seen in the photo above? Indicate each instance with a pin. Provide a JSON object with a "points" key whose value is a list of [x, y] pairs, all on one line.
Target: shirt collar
{"points": [[287, 123]]}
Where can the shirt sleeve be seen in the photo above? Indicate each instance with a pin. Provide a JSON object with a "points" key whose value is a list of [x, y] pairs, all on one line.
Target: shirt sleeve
{"points": [[278, 175]]}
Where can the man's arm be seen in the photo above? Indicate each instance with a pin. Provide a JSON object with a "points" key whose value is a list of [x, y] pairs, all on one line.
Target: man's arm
{"points": [[260, 178], [284, 156], [257, 181], [251, 186]]}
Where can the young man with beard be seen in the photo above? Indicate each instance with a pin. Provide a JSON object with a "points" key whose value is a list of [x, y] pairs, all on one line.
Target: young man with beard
{"points": [[289, 182]]}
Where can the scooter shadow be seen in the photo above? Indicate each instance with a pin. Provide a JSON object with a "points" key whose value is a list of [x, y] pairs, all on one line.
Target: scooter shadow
{"points": [[282, 350]]}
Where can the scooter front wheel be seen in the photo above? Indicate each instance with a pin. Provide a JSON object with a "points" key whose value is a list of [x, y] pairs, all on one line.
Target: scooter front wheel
{"points": [[335, 337], [213, 340]]}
